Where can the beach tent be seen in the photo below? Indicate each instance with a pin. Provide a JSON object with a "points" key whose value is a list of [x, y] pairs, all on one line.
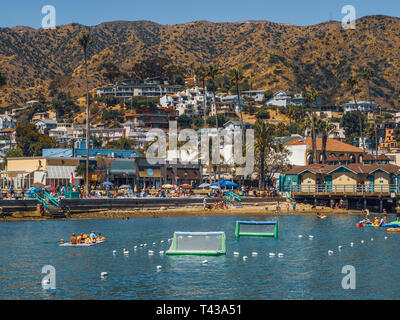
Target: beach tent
{"points": [[225, 184]]}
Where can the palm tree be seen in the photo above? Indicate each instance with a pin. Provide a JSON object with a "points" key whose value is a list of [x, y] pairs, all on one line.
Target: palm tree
{"points": [[85, 40], [201, 74], [263, 135], [309, 98], [236, 76], [352, 83], [367, 74], [325, 127], [212, 73]]}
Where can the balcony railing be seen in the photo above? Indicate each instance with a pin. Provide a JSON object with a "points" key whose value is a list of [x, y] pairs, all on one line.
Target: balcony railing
{"points": [[342, 189]]}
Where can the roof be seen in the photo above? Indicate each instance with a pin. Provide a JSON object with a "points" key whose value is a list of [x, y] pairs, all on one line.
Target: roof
{"points": [[354, 167], [370, 157], [332, 145], [61, 172]]}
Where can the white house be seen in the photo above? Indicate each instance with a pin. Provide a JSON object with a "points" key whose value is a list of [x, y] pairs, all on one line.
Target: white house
{"points": [[284, 98], [189, 102], [257, 95], [6, 122], [363, 106]]}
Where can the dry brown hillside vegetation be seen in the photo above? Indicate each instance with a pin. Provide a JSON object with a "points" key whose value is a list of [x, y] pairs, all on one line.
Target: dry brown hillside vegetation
{"points": [[272, 56]]}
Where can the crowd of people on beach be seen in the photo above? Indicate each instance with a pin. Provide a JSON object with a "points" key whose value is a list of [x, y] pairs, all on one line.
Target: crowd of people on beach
{"points": [[85, 238]]}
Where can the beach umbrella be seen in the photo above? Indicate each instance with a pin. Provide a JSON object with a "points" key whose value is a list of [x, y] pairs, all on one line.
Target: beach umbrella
{"points": [[228, 184], [38, 185], [167, 186], [204, 185], [186, 186], [107, 183], [135, 188], [214, 187]]}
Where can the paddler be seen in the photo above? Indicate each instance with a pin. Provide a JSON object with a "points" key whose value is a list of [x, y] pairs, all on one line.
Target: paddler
{"points": [[92, 235], [100, 237]]}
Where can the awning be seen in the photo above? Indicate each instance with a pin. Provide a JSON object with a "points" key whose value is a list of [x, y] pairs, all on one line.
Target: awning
{"points": [[149, 173], [189, 174], [61, 172]]}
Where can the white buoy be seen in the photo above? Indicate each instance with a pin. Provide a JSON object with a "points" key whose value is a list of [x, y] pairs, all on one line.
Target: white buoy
{"points": [[161, 252], [114, 252], [151, 252], [103, 274], [280, 254], [351, 244], [372, 239], [271, 254], [340, 247], [362, 241], [204, 261], [161, 241], [385, 238], [254, 253], [244, 257], [135, 247], [310, 236], [236, 253], [154, 243], [145, 244], [300, 236], [141, 244], [330, 252], [158, 267]]}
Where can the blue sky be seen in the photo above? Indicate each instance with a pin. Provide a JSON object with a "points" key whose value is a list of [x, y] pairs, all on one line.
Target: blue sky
{"points": [[93, 12]]}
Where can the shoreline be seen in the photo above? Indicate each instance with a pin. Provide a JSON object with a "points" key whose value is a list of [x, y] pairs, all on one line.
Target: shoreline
{"points": [[183, 212]]}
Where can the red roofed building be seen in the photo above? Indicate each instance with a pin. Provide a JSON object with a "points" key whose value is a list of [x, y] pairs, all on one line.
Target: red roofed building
{"points": [[336, 151]]}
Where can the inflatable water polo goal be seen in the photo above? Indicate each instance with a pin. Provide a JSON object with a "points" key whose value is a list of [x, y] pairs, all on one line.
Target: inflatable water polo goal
{"points": [[198, 243], [256, 229]]}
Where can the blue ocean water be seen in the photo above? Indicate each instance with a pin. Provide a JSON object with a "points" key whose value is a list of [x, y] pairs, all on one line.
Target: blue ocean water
{"points": [[306, 271]]}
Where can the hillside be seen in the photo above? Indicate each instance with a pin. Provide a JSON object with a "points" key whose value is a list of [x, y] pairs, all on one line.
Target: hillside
{"points": [[273, 56]]}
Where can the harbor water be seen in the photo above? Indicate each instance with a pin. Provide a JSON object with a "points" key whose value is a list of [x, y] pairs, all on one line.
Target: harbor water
{"points": [[305, 271]]}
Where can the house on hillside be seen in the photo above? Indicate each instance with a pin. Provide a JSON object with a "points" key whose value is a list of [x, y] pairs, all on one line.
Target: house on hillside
{"points": [[284, 98], [303, 148]]}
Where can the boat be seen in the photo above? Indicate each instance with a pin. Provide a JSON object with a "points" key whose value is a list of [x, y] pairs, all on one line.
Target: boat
{"points": [[81, 244], [393, 230]]}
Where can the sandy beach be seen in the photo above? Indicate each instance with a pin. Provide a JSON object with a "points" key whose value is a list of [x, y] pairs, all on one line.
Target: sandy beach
{"points": [[189, 211]]}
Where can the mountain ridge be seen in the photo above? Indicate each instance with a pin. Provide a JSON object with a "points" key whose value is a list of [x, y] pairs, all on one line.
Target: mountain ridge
{"points": [[272, 56]]}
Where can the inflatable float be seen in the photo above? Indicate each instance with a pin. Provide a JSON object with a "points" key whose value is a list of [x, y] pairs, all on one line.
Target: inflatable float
{"points": [[80, 244]]}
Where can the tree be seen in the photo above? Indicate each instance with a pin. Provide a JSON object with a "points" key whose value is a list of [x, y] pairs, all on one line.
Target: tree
{"points": [[31, 141], [120, 144], [97, 142], [201, 73], [325, 128], [85, 40], [3, 80], [352, 122], [212, 73], [236, 76], [184, 121], [352, 83], [309, 98], [82, 170], [367, 75], [264, 144]]}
